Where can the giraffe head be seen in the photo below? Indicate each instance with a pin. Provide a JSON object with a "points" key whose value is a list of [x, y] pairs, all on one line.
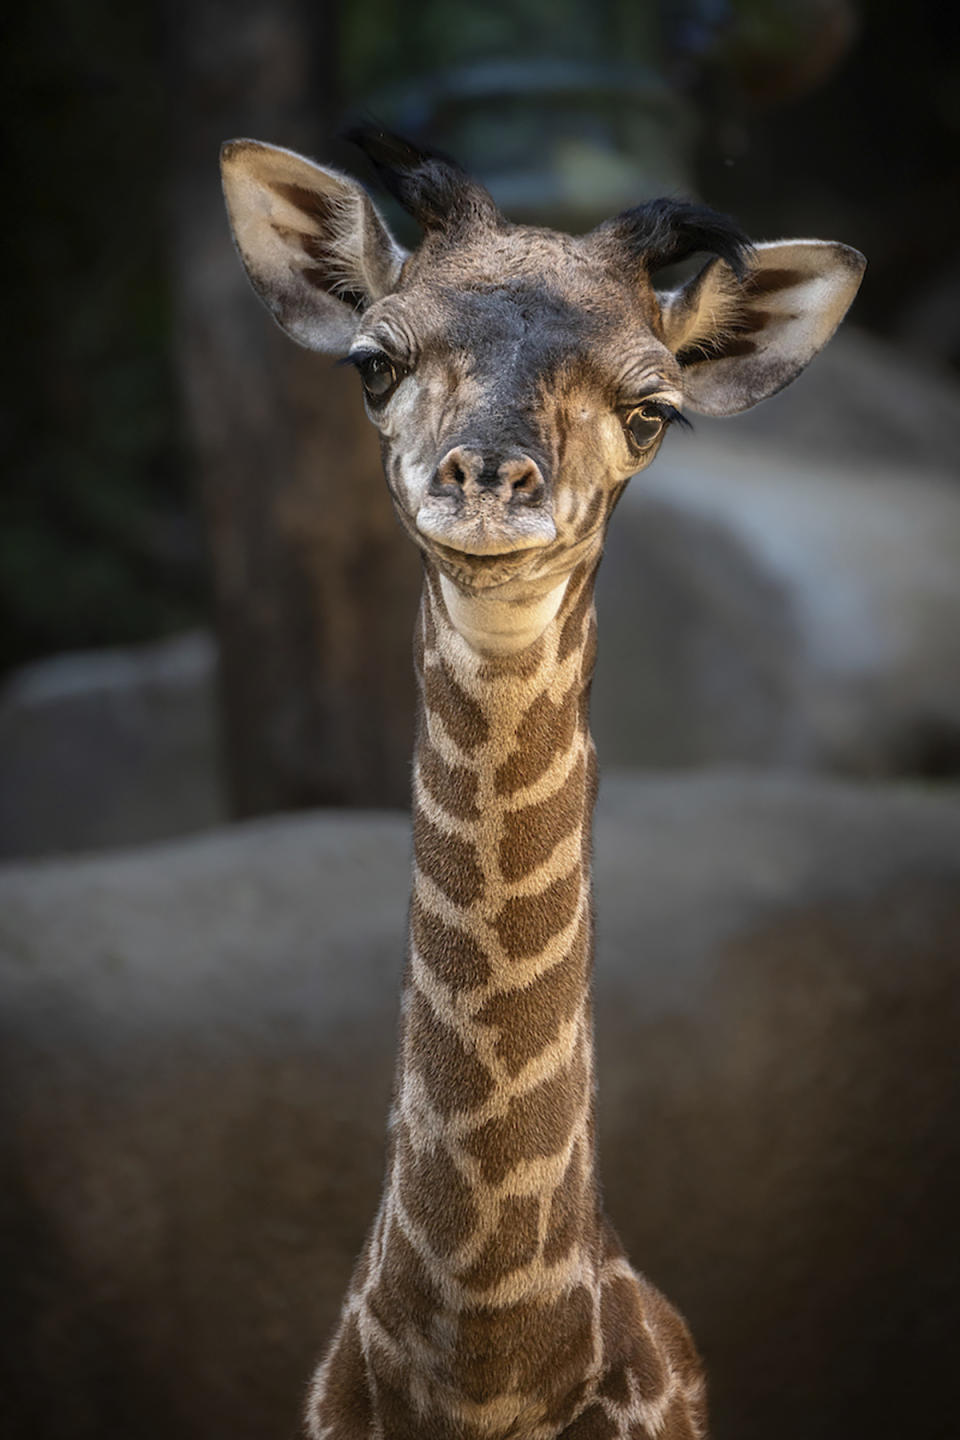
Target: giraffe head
{"points": [[519, 376]]}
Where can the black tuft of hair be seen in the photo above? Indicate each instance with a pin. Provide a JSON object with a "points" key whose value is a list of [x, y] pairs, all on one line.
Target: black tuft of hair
{"points": [[662, 232], [430, 186]]}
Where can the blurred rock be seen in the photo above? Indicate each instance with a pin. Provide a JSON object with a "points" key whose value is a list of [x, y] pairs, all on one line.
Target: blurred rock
{"points": [[929, 321], [861, 399], [196, 1052], [783, 589], [109, 747]]}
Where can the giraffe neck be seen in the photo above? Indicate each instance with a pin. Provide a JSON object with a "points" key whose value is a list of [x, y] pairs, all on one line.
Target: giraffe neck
{"points": [[494, 1111], [492, 1299], [490, 1218]]}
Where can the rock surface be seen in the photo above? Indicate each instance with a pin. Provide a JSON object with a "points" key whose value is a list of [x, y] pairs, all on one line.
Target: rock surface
{"points": [[195, 1064], [766, 608], [110, 747]]}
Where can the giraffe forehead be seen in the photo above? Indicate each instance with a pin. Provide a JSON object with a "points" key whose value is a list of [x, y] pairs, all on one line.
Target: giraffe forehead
{"points": [[520, 282], [527, 337]]}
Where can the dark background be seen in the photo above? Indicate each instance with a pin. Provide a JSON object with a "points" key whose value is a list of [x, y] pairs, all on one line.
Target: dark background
{"points": [[798, 116], [196, 1037]]}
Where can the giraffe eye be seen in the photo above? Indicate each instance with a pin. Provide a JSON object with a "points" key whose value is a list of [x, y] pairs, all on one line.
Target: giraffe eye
{"points": [[379, 374], [644, 422], [643, 425]]}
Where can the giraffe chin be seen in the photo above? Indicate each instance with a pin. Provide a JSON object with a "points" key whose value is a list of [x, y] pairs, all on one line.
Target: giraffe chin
{"points": [[484, 533]]}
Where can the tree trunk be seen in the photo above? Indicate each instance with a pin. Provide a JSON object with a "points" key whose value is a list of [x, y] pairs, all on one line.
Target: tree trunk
{"points": [[315, 588]]}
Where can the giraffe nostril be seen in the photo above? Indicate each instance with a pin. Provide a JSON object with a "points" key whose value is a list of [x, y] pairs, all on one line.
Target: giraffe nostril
{"points": [[525, 481], [453, 474], [469, 475]]}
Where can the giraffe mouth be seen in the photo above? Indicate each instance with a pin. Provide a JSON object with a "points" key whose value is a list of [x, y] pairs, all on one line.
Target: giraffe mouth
{"points": [[482, 531]]}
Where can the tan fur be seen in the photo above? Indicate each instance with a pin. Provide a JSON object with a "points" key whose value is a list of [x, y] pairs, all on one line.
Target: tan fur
{"points": [[492, 1301], [515, 372]]}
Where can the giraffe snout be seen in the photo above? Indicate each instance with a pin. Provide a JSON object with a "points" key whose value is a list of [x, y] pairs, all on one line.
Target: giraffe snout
{"points": [[514, 479]]}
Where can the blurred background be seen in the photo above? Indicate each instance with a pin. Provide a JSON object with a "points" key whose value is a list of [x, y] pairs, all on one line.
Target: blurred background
{"points": [[181, 488], [206, 610]]}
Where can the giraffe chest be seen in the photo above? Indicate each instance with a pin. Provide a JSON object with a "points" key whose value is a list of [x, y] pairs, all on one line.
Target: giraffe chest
{"points": [[611, 1363]]}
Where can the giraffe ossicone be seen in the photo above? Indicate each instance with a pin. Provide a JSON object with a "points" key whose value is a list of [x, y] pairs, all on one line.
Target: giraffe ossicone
{"points": [[518, 377]]}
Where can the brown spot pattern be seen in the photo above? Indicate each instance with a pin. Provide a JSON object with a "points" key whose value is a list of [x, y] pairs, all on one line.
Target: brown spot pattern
{"points": [[531, 1015], [512, 1244], [452, 954], [545, 731], [626, 1336], [346, 1403], [449, 861], [453, 787], [593, 1424], [527, 922], [536, 1125], [463, 719], [532, 832], [587, 669], [435, 1196], [566, 1220], [404, 1293], [672, 1334], [615, 1385], [593, 511], [454, 1078], [560, 1410], [401, 1420], [572, 632], [539, 1349]]}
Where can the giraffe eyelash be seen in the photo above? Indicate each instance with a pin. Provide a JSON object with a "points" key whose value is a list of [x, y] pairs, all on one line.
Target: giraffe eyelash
{"points": [[358, 358], [664, 411], [375, 367], [645, 423]]}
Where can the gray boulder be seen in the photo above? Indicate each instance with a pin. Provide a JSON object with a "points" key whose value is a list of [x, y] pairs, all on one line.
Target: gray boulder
{"points": [[764, 607], [195, 1066], [783, 588], [110, 747], [862, 399]]}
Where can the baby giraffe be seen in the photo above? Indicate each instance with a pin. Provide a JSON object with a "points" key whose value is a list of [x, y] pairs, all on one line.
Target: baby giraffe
{"points": [[518, 377]]}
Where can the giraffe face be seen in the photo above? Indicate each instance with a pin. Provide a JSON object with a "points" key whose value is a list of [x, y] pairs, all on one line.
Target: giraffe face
{"points": [[515, 393], [519, 376]]}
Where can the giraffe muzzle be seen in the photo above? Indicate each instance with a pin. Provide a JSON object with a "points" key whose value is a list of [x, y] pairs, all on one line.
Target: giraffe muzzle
{"points": [[487, 505]]}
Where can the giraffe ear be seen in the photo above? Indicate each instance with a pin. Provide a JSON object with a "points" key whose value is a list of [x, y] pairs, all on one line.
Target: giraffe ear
{"points": [[740, 341], [311, 241]]}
